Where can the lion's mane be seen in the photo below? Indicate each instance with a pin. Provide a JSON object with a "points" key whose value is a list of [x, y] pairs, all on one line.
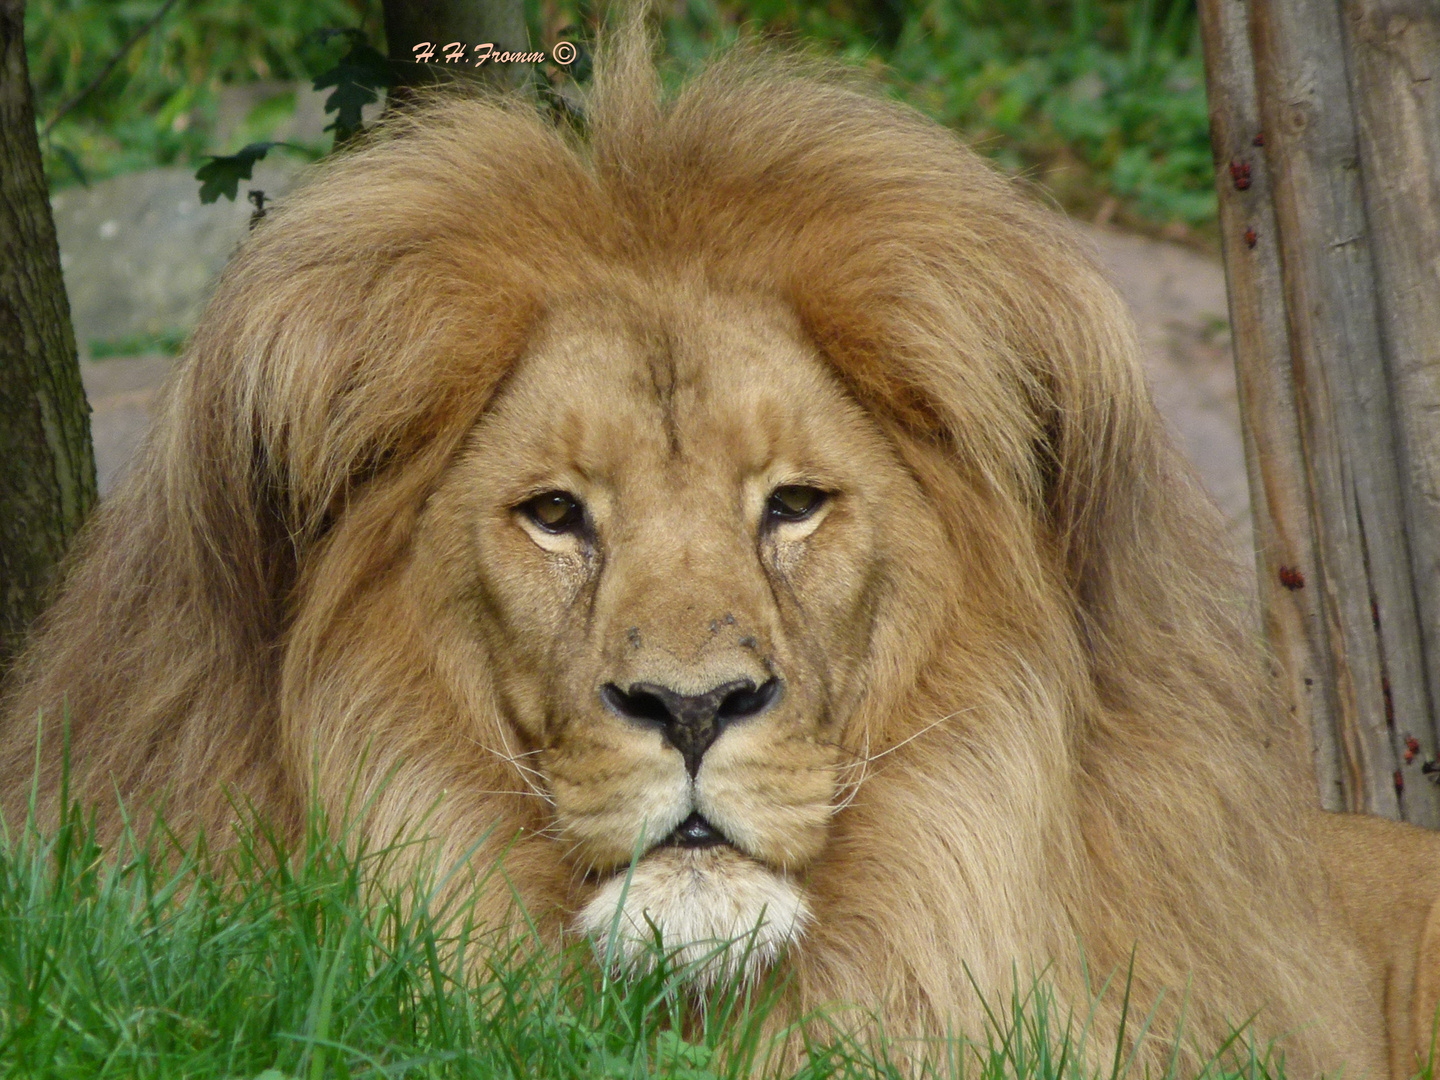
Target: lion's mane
{"points": [[1125, 781]]}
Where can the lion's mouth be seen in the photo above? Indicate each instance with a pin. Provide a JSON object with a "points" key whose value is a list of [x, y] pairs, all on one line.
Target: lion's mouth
{"points": [[695, 832], [713, 909]]}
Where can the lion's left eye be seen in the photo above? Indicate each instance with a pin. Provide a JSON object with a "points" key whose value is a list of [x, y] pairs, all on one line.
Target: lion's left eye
{"points": [[794, 502], [554, 511]]}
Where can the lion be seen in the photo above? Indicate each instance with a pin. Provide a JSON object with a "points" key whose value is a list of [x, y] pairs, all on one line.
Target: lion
{"points": [[749, 518]]}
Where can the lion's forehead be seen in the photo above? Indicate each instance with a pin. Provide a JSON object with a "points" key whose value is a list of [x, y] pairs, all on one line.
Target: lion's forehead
{"points": [[683, 388]]}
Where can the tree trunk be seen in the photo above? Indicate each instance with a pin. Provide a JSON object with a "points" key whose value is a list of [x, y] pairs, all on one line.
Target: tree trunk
{"points": [[47, 466]]}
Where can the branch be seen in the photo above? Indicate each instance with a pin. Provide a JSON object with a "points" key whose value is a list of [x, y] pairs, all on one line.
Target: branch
{"points": [[108, 68]]}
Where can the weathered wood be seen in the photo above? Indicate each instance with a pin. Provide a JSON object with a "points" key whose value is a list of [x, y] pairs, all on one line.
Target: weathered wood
{"points": [[1339, 428], [1279, 492], [1393, 52]]}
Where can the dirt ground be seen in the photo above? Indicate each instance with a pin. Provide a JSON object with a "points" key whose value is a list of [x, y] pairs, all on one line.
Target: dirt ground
{"points": [[140, 255]]}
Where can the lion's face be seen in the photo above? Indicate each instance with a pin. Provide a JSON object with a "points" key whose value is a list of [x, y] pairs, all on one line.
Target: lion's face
{"points": [[673, 538]]}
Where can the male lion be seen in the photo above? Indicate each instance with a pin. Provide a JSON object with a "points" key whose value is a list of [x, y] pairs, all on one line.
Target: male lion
{"points": [[758, 484]]}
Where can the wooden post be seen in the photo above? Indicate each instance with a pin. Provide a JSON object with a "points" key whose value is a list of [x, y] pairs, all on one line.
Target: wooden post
{"points": [[1325, 120]]}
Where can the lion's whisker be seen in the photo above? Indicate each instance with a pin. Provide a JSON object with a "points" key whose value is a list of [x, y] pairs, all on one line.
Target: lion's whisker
{"points": [[870, 760], [502, 791], [852, 787], [864, 760], [527, 774]]}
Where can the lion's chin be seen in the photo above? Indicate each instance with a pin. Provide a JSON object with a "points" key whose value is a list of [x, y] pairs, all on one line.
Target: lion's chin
{"points": [[719, 914]]}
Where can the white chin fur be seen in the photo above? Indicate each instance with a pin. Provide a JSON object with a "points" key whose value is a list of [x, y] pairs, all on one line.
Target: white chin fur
{"points": [[699, 900]]}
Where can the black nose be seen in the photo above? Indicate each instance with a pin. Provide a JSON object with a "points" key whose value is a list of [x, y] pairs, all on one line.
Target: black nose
{"points": [[691, 722]]}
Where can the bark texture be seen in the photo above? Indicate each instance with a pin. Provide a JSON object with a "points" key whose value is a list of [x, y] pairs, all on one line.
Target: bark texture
{"points": [[47, 466]]}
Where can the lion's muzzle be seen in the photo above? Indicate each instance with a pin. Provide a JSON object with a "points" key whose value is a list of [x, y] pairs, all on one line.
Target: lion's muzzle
{"points": [[717, 912], [691, 722]]}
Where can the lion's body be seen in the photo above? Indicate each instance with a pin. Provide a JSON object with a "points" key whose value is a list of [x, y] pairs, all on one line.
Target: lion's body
{"points": [[998, 700], [1385, 882]]}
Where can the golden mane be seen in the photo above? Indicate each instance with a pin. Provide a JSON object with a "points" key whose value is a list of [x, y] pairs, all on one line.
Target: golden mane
{"points": [[361, 330]]}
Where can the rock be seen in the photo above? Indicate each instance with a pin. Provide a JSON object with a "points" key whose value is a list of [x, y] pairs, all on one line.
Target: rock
{"points": [[141, 253]]}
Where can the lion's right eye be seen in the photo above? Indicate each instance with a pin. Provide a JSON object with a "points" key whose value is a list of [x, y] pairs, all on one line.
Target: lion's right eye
{"points": [[794, 502], [554, 511]]}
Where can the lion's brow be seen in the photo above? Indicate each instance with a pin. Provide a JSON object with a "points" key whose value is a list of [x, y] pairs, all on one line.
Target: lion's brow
{"points": [[663, 376]]}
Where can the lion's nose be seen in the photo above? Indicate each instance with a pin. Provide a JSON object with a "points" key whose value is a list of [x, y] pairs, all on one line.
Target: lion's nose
{"points": [[691, 722]]}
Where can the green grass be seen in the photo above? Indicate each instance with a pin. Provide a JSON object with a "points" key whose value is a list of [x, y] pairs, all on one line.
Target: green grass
{"points": [[159, 960], [1100, 101], [155, 962], [167, 342]]}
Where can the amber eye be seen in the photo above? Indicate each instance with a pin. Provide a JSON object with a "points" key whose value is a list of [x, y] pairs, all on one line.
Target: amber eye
{"points": [[794, 502], [554, 511]]}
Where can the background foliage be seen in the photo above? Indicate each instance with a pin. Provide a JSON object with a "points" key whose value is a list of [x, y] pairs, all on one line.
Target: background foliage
{"points": [[1101, 101]]}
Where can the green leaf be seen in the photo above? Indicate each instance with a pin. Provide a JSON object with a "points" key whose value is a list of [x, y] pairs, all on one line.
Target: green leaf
{"points": [[682, 1060], [357, 77], [222, 175]]}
